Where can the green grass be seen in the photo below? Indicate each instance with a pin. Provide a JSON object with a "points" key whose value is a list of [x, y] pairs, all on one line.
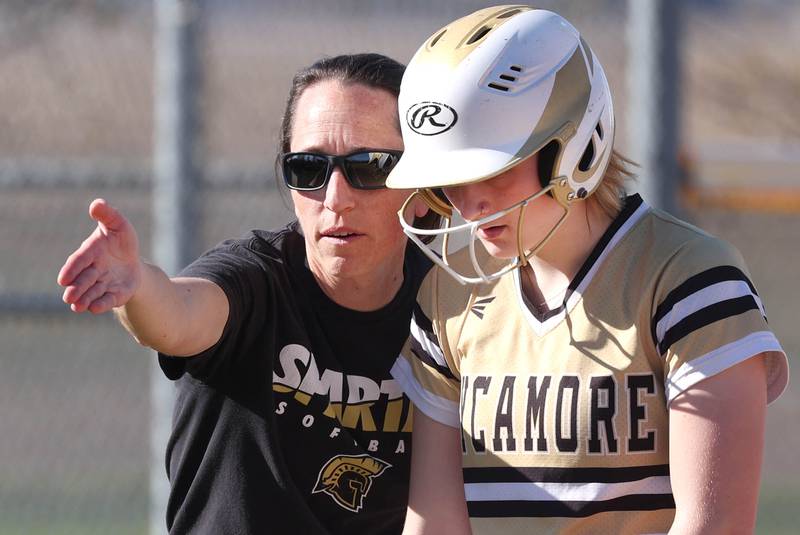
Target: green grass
{"points": [[91, 505], [44, 527], [122, 510]]}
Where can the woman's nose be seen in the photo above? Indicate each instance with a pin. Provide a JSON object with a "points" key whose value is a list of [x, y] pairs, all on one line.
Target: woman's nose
{"points": [[339, 195]]}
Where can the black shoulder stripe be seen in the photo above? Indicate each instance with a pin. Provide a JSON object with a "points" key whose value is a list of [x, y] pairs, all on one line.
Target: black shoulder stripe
{"points": [[422, 321], [541, 509], [529, 474], [423, 355], [706, 316], [430, 336], [696, 283]]}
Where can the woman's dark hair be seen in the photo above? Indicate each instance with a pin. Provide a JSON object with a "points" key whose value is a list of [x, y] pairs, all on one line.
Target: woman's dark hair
{"points": [[372, 70], [375, 71]]}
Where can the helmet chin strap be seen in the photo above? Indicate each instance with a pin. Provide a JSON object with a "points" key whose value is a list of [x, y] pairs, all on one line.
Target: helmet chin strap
{"points": [[557, 185], [524, 255]]}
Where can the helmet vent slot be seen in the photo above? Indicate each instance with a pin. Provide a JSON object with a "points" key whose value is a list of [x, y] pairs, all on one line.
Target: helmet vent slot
{"points": [[599, 130], [509, 14], [436, 39], [516, 68], [498, 87], [586, 160], [508, 78], [547, 162], [480, 34]]}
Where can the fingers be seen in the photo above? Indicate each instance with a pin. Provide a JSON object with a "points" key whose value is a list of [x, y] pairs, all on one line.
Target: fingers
{"points": [[107, 216], [76, 288], [77, 263], [105, 261], [102, 304], [108, 220], [97, 298], [92, 294]]}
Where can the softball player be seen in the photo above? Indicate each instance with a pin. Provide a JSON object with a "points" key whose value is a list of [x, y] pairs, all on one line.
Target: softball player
{"points": [[586, 364]]}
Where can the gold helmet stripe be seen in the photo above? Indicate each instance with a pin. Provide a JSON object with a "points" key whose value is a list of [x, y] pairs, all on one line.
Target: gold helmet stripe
{"points": [[565, 108], [451, 44]]}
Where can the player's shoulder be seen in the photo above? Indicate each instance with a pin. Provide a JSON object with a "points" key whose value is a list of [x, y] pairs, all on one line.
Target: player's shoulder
{"points": [[688, 249], [443, 297], [675, 259]]}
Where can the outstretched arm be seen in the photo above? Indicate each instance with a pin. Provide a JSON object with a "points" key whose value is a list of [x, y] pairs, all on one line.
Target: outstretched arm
{"points": [[436, 503], [180, 316], [716, 440]]}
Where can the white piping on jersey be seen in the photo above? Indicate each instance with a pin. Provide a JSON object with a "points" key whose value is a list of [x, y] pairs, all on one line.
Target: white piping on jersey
{"points": [[692, 372], [436, 407], [431, 348], [565, 492], [541, 328], [710, 295]]}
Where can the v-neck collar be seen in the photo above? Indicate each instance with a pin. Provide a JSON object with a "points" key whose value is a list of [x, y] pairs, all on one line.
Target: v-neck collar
{"points": [[543, 322]]}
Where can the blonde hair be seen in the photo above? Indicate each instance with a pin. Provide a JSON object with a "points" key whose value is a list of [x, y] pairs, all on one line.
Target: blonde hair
{"points": [[610, 193]]}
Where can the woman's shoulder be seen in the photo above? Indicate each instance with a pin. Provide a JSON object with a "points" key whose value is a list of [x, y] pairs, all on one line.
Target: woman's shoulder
{"points": [[254, 252], [274, 242]]}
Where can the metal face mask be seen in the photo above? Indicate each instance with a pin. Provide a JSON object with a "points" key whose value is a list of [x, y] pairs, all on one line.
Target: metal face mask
{"points": [[470, 228]]}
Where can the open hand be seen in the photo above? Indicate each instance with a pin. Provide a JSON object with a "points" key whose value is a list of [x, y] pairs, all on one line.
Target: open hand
{"points": [[105, 271]]}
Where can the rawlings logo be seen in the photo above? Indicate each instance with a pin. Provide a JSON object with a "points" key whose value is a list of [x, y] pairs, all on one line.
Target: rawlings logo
{"points": [[431, 118], [348, 478]]}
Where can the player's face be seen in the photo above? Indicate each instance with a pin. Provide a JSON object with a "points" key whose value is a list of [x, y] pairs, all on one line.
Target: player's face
{"points": [[349, 232], [482, 199]]}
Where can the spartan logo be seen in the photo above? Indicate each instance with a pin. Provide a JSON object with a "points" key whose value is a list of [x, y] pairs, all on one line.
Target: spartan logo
{"points": [[348, 478], [431, 118]]}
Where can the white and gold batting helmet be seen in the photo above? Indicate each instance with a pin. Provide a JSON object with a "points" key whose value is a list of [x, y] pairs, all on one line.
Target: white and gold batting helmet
{"points": [[490, 90]]}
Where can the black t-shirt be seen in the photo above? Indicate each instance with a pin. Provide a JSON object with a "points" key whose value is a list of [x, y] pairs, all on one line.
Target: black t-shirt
{"points": [[291, 423]]}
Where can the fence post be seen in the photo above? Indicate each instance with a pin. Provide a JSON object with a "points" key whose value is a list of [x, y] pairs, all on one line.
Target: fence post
{"points": [[653, 118], [176, 178]]}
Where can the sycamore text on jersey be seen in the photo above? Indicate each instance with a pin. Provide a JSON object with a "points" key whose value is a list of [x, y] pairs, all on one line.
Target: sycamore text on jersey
{"points": [[552, 402]]}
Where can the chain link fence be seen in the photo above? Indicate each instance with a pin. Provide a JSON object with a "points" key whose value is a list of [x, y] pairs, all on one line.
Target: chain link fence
{"points": [[76, 122]]}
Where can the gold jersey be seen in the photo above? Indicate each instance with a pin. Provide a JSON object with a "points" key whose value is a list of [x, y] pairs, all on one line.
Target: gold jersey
{"points": [[564, 414]]}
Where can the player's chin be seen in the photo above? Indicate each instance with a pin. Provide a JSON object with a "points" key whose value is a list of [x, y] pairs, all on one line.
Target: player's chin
{"points": [[500, 249]]}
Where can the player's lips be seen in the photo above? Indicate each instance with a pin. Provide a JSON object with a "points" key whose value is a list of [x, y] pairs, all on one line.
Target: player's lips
{"points": [[491, 232]]}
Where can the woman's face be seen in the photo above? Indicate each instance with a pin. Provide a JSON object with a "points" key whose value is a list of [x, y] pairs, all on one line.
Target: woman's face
{"points": [[349, 232], [482, 199]]}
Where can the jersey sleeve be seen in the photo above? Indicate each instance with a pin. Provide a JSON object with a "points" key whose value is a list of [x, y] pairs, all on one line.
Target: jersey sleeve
{"points": [[425, 369], [709, 317]]}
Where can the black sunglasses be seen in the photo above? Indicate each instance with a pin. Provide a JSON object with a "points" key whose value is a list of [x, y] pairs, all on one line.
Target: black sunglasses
{"points": [[365, 169]]}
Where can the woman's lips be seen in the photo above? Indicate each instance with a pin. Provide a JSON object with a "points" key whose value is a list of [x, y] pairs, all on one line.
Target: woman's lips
{"points": [[341, 237]]}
